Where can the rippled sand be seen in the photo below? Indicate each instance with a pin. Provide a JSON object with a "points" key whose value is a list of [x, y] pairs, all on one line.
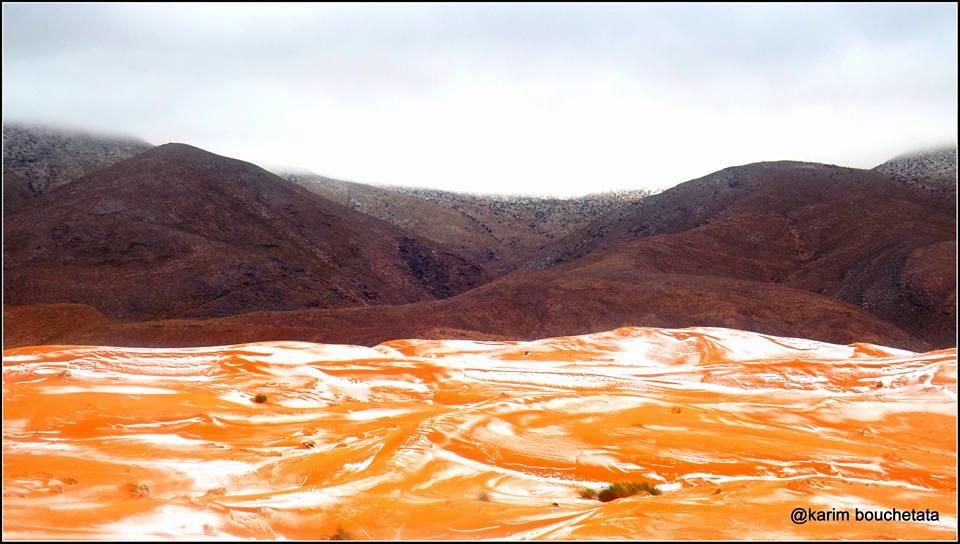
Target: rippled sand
{"points": [[468, 440]]}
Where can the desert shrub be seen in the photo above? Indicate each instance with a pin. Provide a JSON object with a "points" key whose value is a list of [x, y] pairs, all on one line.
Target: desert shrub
{"points": [[621, 490], [341, 534], [483, 496], [138, 490], [587, 493], [260, 398]]}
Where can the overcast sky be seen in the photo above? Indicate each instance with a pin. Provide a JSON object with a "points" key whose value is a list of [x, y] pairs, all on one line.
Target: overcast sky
{"points": [[551, 99]]}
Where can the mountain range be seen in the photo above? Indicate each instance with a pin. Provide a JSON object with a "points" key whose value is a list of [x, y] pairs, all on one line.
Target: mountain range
{"points": [[175, 246]]}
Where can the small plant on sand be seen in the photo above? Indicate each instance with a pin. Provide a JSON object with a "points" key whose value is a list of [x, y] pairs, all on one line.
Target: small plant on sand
{"points": [[483, 496], [341, 534], [587, 493], [138, 490], [621, 490], [260, 398]]}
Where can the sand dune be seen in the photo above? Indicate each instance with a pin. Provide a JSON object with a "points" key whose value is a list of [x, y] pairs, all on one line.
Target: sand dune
{"points": [[453, 439]]}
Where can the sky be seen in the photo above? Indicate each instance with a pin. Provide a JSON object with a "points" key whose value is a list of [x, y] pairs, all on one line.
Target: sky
{"points": [[495, 98]]}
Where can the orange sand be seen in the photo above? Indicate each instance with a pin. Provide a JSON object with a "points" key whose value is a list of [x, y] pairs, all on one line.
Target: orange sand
{"points": [[470, 440]]}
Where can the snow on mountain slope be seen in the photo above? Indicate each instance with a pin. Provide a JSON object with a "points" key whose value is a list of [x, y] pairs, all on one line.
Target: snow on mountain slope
{"points": [[935, 169], [37, 159]]}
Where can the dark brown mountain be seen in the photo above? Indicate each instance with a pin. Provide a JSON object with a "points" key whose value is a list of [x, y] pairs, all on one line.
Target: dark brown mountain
{"points": [[37, 159], [855, 235], [177, 231]]}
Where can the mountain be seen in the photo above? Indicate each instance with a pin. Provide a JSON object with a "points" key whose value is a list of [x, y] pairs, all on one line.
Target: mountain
{"points": [[429, 220], [934, 169], [37, 159], [180, 232], [854, 235], [498, 231]]}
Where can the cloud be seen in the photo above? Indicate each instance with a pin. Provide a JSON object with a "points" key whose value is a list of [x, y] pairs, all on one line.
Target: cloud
{"points": [[560, 99]]}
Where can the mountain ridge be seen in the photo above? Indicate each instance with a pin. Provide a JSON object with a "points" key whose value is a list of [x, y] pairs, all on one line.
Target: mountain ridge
{"points": [[182, 231]]}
